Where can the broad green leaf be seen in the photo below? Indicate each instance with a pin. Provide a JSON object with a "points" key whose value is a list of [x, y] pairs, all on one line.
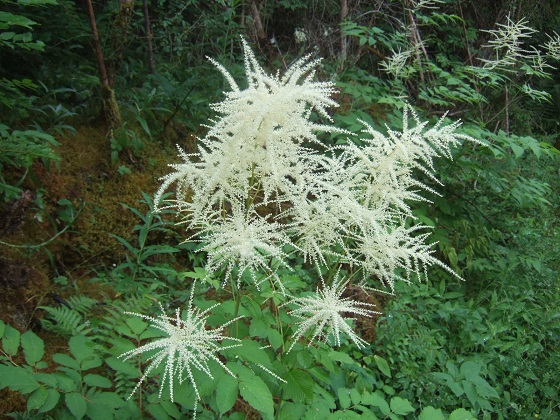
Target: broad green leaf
{"points": [[65, 360], [258, 328], [46, 378], [137, 325], [256, 393], [251, 351], [91, 363], [290, 411], [401, 406], [76, 404], [97, 380], [345, 415], [109, 399], [382, 365], [52, 400], [430, 413], [517, 150], [123, 367], [338, 356], [10, 340], [16, 20], [37, 399], [461, 414], [2, 328], [275, 338], [81, 347], [344, 397], [17, 379], [226, 393], [33, 347], [65, 382], [376, 400], [484, 389], [355, 396], [171, 409], [299, 386], [470, 370]]}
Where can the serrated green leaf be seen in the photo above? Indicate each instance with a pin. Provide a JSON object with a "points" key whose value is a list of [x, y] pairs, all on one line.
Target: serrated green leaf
{"points": [[97, 380], [252, 352], [299, 386], [122, 366], [10, 340], [91, 363], [484, 389], [256, 393], [382, 365], [226, 393], [517, 150], [344, 397], [66, 360], [33, 347], [17, 379], [171, 409], [430, 413], [376, 400], [37, 398], [470, 370], [136, 325], [401, 406], [275, 338], [338, 356], [46, 378], [461, 414], [52, 400], [290, 411], [2, 328], [355, 396], [76, 404], [258, 328], [109, 399], [81, 347], [65, 382]]}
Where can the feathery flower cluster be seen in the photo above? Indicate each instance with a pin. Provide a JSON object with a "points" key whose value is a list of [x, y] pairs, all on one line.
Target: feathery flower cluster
{"points": [[323, 312], [553, 46], [507, 43], [261, 182], [188, 345]]}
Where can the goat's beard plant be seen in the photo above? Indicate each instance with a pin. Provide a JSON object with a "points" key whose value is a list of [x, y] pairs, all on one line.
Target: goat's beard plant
{"points": [[264, 187]]}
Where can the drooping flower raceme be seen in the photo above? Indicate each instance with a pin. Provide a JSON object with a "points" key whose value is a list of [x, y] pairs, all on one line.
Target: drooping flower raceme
{"points": [[324, 314], [187, 345]]}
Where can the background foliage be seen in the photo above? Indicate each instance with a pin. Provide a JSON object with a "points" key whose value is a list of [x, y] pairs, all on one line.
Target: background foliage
{"points": [[487, 347]]}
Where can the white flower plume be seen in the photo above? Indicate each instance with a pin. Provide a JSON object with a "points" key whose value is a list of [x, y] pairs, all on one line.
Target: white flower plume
{"points": [[188, 345], [508, 45], [324, 313], [241, 239], [262, 183], [383, 169]]}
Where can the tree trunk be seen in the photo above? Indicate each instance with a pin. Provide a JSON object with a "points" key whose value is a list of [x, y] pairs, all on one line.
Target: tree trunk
{"points": [[149, 38], [343, 40], [259, 28], [110, 105]]}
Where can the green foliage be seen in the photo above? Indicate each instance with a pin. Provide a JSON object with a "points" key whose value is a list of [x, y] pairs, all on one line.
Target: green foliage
{"points": [[485, 348], [18, 150], [73, 389], [70, 317], [138, 266]]}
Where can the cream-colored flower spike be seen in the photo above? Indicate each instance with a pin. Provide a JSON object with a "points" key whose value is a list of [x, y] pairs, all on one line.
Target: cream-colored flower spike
{"points": [[507, 43], [323, 312], [188, 345]]}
